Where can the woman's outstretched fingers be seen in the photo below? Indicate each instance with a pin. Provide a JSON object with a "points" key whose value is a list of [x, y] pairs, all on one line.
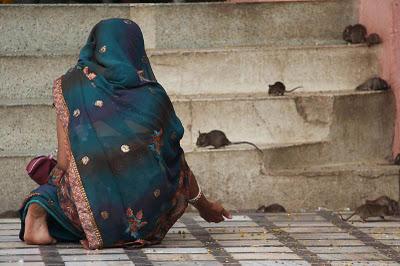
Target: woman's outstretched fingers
{"points": [[226, 214], [212, 212]]}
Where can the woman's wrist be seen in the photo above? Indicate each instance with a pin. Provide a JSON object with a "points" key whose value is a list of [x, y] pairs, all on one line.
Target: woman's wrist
{"points": [[202, 203]]}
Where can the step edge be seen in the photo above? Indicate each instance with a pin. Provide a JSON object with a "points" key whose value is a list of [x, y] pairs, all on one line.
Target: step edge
{"points": [[187, 149], [378, 167], [227, 49], [48, 101], [166, 4]]}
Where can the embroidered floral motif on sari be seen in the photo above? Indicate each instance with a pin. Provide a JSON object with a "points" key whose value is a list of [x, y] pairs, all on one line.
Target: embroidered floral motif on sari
{"points": [[157, 140], [89, 75], [135, 222]]}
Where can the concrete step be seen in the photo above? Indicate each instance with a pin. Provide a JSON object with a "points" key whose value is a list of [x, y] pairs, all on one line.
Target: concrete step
{"points": [[213, 71], [361, 130], [243, 182], [237, 178], [29, 125], [63, 29]]}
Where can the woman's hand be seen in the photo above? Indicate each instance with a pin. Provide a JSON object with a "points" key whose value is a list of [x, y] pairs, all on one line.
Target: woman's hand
{"points": [[212, 212]]}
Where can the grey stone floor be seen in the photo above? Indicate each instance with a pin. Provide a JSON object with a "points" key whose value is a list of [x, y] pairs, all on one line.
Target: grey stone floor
{"points": [[248, 239]]}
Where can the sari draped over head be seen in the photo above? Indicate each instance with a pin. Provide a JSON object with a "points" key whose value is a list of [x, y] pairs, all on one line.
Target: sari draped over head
{"points": [[127, 180]]}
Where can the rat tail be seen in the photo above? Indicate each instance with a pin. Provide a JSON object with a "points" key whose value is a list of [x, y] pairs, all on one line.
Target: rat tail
{"points": [[246, 142], [348, 218], [295, 88]]}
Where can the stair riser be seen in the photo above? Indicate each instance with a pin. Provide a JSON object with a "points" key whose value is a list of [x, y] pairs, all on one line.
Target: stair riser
{"points": [[233, 71], [272, 121], [28, 128], [230, 71], [362, 130], [15, 182], [63, 29], [235, 181]]}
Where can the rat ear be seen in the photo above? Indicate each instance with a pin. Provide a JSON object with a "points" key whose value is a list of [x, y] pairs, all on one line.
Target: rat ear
{"points": [[199, 132]]}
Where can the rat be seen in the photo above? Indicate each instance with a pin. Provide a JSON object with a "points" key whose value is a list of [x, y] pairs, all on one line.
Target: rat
{"points": [[393, 206], [374, 84], [368, 210], [355, 33], [218, 139], [279, 89], [373, 39], [358, 34], [397, 159], [273, 208]]}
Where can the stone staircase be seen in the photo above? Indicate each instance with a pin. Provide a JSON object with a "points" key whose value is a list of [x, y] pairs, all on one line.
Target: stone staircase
{"points": [[324, 146]]}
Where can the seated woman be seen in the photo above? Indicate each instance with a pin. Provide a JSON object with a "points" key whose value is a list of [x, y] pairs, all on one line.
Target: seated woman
{"points": [[121, 177]]}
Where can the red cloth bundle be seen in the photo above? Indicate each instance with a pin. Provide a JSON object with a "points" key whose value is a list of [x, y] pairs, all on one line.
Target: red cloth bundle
{"points": [[39, 168]]}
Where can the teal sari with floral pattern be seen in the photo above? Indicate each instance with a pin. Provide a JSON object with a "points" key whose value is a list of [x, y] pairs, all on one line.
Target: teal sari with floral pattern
{"points": [[127, 180]]}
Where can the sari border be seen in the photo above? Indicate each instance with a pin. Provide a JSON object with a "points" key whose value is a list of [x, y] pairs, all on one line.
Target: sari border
{"points": [[82, 204]]}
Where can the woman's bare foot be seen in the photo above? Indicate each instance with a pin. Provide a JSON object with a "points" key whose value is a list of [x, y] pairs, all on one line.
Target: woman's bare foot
{"points": [[36, 230]]}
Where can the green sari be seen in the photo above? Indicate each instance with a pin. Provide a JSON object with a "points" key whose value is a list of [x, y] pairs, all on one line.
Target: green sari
{"points": [[127, 180]]}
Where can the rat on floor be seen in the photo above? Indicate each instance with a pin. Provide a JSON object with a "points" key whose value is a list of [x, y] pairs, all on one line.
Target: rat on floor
{"points": [[368, 210], [391, 204]]}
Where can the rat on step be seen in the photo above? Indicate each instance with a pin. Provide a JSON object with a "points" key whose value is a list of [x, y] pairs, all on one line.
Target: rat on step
{"points": [[357, 33], [218, 139], [273, 208], [374, 84], [279, 89]]}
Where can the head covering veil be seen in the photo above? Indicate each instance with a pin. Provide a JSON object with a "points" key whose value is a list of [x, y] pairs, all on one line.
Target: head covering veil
{"points": [[125, 178], [115, 49]]}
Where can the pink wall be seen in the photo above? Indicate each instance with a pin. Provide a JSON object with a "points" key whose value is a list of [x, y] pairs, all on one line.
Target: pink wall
{"points": [[255, 1], [382, 17]]}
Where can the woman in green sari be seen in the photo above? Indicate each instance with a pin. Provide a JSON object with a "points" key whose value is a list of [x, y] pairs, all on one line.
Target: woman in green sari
{"points": [[121, 177]]}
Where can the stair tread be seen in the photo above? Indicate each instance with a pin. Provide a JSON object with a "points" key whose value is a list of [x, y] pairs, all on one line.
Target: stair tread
{"points": [[208, 97], [359, 169], [187, 148], [294, 45]]}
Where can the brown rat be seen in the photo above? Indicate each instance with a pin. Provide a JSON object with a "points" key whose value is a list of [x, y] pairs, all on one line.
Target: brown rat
{"points": [[218, 139], [373, 84], [393, 206], [279, 89], [397, 159], [358, 34], [373, 39], [273, 208], [368, 210], [355, 34]]}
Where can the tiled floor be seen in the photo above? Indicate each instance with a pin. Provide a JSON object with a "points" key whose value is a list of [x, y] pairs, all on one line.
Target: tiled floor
{"points": [[248, 239]]}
